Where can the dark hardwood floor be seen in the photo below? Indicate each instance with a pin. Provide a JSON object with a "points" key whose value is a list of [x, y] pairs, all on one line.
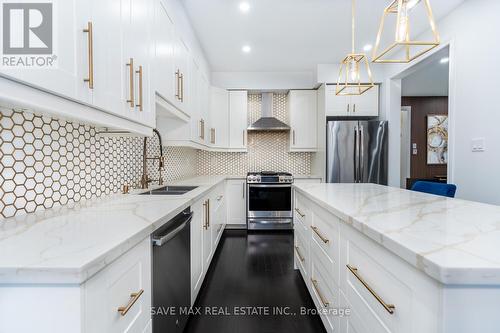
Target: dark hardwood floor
{"points": [[254, 270]]}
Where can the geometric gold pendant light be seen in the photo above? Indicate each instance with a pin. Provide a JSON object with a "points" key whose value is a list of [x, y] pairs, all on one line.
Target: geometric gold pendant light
{"points": [[403, 49], [349, 80]]}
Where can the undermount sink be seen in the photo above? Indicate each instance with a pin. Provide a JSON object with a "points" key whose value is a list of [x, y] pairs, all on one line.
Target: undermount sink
{"points": [[170, 190]]}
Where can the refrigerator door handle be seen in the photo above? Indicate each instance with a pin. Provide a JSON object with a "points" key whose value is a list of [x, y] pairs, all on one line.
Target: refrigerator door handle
{"points": [[362, 153]]}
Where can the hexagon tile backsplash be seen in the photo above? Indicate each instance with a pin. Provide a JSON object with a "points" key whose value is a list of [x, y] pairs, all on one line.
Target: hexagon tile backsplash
{"points": [[46, 162]]}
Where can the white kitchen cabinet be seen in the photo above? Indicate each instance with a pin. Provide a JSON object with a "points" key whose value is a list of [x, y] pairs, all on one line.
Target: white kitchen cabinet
{"points": [[65, 78], [238, 123], [302, 107], [219, 117], [92, 306], [218, 222], [195, 103], [365, 105], [236, 202], [125, 282], [196, 248], [137, 16], [207, 233], [165, 82]]}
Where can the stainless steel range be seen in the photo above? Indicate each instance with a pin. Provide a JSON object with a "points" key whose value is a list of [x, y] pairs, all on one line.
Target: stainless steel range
{"points": [[269, 200]]}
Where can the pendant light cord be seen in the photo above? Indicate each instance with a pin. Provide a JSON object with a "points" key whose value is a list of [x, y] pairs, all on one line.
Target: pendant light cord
{"points": [[353, 23]]}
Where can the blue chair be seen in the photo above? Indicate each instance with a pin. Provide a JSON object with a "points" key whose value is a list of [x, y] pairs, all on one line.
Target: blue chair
{"points": [[445, 190]]}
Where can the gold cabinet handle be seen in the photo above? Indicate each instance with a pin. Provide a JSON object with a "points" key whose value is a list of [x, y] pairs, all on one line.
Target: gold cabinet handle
{"points": [[300, 213], [323, 238], [205, 225], [178, 84], [207, 214], [293, 137], [298, 253], [202, 129], [324, 301], [388, 307], [182, 88], [90, 31], [212, 135], [140, 105], [348, 107], [354, 108], [133, 298], [243, 137], [132, 92]]}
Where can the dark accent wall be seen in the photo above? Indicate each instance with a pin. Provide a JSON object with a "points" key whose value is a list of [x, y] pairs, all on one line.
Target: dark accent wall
{"points": [[420, 108]]}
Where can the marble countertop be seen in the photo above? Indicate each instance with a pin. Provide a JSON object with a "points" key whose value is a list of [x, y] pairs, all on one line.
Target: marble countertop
{"points": [[69, 244], [453, 241]]}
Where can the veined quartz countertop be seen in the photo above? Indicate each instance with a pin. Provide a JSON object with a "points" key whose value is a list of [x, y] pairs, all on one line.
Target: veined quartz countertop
{"points": [[71, 243], [454, 241]]}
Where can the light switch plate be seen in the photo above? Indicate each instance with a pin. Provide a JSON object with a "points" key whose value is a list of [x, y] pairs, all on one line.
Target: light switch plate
{"points": [[414, 146], [477, 145], [415, 152]]}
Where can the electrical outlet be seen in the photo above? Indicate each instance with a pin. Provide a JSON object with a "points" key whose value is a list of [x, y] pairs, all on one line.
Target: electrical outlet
{"points": [[477, 145]]}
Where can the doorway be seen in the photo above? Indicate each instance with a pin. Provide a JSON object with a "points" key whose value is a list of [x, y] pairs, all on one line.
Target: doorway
{"points": [[424, 121]]}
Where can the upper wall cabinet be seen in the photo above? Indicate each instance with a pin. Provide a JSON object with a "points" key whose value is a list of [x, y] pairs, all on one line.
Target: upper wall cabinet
{"points": [[303, 111], [65, 77], [238, 123], [219, 118], [366, 105], [171, 61], [103, 63]]}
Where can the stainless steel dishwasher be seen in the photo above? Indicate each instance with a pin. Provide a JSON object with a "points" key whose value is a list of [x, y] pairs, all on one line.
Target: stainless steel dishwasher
{"points": [[172, 274]]}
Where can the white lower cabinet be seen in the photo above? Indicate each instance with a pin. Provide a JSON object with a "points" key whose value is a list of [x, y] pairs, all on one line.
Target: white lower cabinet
{"points": [[197, 231], [115, 300], [236, 202], [347, 270], [118, 299], [207, 226]]}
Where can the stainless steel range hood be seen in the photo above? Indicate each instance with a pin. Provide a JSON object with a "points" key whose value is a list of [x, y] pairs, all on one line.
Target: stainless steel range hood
{"points": [[267, 122]]}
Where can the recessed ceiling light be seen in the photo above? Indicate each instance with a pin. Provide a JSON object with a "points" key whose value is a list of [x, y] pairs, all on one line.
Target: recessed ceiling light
{"points": [[367, 47], [445, 60], [246, 49], [244, 7]]}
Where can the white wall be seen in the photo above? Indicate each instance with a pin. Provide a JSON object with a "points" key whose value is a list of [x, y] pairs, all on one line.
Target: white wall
{"points": [[264, 80], [473, 30]]}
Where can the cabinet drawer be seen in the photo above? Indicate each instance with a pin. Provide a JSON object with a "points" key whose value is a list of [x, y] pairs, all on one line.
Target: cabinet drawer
{"points": [[324, 291], [325, 232], [301, 212], [301, 249], [124, 285], [376, 292]]}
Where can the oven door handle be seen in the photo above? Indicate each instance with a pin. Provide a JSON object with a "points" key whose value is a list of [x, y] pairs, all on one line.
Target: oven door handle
{"points": [[270, 185]]}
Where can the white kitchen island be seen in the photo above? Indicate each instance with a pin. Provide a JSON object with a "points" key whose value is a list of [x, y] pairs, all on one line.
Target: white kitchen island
{"points": [[400, 261]]}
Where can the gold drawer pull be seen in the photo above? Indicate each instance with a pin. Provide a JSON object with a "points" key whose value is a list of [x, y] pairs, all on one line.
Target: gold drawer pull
{"points": [[323, 238], [140, 72], [388, 307], [90, 31], [133, 298], [298, 253], [321, 297], [300, 213], [130, 65]]}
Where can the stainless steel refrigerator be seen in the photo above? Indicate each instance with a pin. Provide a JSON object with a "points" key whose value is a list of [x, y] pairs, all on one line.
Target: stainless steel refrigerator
{"points": [[357, 152]]}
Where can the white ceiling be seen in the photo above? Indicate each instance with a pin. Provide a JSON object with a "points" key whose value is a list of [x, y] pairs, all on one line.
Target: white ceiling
{"points": [[286, 35], [430, 79]]}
